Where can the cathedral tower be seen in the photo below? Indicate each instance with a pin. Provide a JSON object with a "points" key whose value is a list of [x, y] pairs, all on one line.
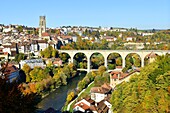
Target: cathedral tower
{"points": [[42, 25]]}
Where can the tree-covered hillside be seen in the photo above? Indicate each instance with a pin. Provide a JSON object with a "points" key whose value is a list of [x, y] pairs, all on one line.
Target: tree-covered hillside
{"points": [[148, 92]]}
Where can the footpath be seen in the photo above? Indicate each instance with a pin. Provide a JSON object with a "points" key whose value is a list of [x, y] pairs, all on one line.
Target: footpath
{"points": [[68, 107]]}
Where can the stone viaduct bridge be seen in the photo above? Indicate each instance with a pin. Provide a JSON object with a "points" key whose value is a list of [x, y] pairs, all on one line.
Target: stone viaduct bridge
{"points": [[123, 53]]}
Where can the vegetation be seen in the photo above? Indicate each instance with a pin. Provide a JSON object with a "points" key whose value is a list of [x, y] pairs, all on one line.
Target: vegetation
{"points": [[80, 61], [157, 41], [70, 97], [12, 100], [40, 80], [148, 92], [19, 57], [132, 60], [97, 60], [114, 59], [99, 77], [49, 52]]}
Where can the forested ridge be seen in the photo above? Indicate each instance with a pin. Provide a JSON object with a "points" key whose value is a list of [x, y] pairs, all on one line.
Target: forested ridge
{"points": [[148, 92]]}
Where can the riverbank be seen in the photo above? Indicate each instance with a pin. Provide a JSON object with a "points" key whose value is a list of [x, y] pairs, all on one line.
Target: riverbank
{"points": [[83, 93]]}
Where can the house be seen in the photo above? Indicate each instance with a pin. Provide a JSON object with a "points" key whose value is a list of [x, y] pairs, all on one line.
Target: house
{"points": [[129, 38], [110, 38], [46, 36], [99, 93], [151, 57], [85, 38], [147, 34], [117, 77], [32, 63], [104, 107], [4, 55], [84, 105], [90, 106], [34, 46], [74, 38], [135, 45], [11, 73], [10, 48], [42, 44], [57, 62], [66, 39]]}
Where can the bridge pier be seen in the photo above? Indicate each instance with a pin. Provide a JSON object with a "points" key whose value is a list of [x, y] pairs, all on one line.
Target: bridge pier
{"points": [[105, 62], [142, 61], [88, 64], [123, 61]]}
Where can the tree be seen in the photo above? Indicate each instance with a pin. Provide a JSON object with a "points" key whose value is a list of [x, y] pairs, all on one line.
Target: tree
{"points": [[69, 70], [119, 61], [54, 53], [49, 52], [26, 68], [19, 57], [70, 96], [12, 100], [38, 74], [20, 29], [101, 70]]}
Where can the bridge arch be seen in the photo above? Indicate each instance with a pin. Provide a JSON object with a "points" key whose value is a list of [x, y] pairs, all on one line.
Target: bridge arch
{"points": [[133, 60], [114, 59], [80, 59], [96, 60], [65, 57]]}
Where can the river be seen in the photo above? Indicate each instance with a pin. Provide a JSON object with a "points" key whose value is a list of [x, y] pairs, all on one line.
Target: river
{"points": [[57, 98]]}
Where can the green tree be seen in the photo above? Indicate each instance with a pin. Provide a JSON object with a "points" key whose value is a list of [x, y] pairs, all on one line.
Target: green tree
{"points": [[101, 70], [26, 68], [19, 57], [49, 52]]}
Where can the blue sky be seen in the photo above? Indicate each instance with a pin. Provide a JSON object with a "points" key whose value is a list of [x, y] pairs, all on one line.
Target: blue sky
{"points": [[142, 14]]}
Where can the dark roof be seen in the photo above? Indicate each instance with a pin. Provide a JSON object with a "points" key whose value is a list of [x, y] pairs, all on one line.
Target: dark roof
{"points": [[88, 99], [102, 107], [41, 41]]}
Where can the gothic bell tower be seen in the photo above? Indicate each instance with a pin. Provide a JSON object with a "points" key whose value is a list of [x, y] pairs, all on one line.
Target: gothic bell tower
{"points": [[42, 25]]}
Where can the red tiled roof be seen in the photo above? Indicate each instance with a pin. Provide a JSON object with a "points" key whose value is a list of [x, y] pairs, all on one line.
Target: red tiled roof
{"points": [[115, 72], [45, 34], [114, 76], [66, 37], [10, 69], [82, 105], [5, 53]]}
